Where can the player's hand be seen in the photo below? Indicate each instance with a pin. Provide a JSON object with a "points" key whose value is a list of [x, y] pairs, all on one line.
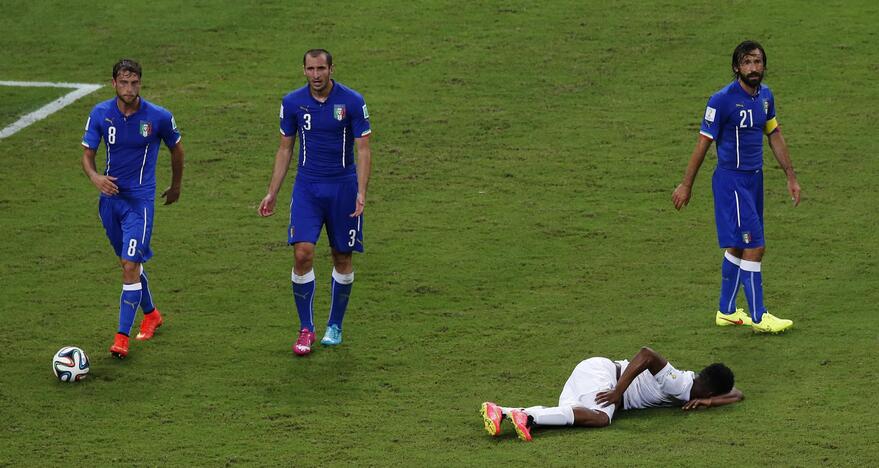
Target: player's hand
{"points": [[793, 188], [359, 204], [267, 206], [171, 194], [105, 184], [608, 398], [681, 196], [696, 404]]}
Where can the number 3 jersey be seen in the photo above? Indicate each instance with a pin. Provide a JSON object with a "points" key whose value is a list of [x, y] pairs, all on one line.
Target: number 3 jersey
{"points": [[131, 143], [737, 121], [326, 131]]}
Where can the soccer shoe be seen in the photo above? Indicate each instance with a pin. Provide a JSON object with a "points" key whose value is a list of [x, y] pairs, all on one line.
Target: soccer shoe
{"points": [[772, 324], [304, 342], [149, 324], [120, 346], [332, 337], [739, 317], [520, 422], [492, 417]]}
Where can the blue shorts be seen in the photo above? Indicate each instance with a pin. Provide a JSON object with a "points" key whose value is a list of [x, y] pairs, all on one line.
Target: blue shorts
{"points": [[128, 223], [315, 204], [738, 208]]}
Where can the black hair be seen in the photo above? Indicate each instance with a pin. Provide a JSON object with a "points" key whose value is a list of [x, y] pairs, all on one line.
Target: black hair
{"points": [[718, 378], [317, 53], [742, 50], [127, 65]]}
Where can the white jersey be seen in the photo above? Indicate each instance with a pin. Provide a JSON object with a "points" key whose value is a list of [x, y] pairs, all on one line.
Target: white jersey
{"points": [[669, 387]]}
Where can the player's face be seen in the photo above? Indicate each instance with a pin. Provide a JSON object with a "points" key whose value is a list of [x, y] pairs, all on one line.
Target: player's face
{"points": [[317, 72], [751, 69], [127, 87]]}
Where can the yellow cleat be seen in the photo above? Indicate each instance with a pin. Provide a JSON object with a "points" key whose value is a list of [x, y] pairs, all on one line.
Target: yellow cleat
{"points": [[739, 317], [772, 324]]}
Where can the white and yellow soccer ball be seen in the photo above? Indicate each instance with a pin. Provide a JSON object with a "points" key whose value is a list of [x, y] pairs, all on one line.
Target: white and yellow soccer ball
{"points": [[70, 364]]}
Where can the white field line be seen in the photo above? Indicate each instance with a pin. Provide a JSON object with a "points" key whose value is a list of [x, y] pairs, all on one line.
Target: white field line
{"points": [[79, 90]]}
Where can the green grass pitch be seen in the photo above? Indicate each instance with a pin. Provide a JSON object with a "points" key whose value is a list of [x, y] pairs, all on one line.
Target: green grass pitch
{"points": [[519, 219]]}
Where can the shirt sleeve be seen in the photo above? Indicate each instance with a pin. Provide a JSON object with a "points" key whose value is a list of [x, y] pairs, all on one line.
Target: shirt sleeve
{"points": [[674, 382], [771, 121], [92, 137], [711, 121], [170, 135], [288, 120], [360, 120]]}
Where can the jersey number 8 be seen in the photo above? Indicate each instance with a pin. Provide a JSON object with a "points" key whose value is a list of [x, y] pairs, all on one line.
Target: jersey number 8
{"points": [[111, 135]]}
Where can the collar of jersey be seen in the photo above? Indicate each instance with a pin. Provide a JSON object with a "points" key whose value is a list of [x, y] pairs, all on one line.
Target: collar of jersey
{"points": [[142, 108], [329, 96], [739, 88]]}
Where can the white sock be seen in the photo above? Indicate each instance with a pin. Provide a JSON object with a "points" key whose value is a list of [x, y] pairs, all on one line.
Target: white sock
{"points": [[555, 416]]}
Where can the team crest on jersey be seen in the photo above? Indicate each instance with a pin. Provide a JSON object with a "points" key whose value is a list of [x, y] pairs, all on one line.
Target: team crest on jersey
{"points": [[339, 112], [146, 128], [746, 237]]}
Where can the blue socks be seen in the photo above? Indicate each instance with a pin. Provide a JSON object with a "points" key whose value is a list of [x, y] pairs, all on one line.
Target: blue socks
{"points": [[341, 288], [729, 287], [146, 299], [752, 281], [303, 294], [128, 303]]}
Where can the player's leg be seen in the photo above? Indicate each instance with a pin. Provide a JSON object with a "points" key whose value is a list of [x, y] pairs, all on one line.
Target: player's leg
{"points": [[346, 236], [306, 220], [135, 250], [152, 318], [728, 220], [751, 201]]}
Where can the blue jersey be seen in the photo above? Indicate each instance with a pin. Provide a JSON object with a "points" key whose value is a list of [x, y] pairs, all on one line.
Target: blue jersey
{"points": [[132, 144], [326, 131], [737, 121]]}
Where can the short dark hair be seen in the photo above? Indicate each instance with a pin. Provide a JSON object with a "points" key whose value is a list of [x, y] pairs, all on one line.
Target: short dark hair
{"points": [[317, 53], [718, 378], [127, 65], [742, 50]]}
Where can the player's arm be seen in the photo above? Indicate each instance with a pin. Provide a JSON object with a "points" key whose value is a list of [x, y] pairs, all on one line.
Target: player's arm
{"points": [[733, 396], [364, 169], [779, 149], [102, 182], [282, 164], [681, 196], [172, 193], [646, 359]]}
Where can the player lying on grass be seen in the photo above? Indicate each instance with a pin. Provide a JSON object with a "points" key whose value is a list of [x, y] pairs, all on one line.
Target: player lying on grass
{"points": [[599, 386]]}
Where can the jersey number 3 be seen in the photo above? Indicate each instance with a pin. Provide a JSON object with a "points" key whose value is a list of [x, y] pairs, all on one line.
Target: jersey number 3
{"points": [[307, 119]]}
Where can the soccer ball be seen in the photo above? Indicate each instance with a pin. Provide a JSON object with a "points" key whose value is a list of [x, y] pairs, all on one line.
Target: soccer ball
{"points": [[70, 364]]}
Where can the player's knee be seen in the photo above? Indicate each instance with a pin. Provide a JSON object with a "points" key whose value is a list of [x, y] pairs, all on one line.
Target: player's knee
{"points": [[304, 256]]}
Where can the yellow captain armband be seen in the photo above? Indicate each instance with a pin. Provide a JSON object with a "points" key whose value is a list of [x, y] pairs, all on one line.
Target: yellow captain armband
{"points": [[771, 125]]}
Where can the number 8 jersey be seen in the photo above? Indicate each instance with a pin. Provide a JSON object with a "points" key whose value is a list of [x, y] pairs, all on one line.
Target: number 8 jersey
{"points": [[131, 143]]}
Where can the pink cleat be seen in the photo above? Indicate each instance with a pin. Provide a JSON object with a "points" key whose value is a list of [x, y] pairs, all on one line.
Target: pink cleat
{"points": [[148, 326], [304, 342], [491, 417], [520, 422]]}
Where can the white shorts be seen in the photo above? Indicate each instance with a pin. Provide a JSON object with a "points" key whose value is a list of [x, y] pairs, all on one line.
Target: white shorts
{"points": [[590, 377]]}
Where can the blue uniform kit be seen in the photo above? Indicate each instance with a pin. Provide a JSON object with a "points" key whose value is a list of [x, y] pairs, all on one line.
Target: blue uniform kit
{"points": [[737, 122], [132, 148], [325, 190]]}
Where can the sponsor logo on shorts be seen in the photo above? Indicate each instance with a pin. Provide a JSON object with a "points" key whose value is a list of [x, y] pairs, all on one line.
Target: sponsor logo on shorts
{"points": [[746, 237], [292, 231]]}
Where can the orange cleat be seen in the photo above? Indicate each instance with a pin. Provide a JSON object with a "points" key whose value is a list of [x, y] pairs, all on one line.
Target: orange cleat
{"points": [[520, 422], [149, 324], [120, 346]]}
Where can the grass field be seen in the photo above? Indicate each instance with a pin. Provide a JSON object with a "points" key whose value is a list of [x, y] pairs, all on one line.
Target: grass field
{"points": [[519, 220]]}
